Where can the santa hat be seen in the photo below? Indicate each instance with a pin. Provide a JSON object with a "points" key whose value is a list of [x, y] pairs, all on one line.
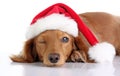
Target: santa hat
{"points": [[61, 17]]}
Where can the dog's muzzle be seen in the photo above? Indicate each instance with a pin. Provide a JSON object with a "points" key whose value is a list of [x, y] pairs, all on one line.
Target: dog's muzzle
{"points": [[53, 57]]}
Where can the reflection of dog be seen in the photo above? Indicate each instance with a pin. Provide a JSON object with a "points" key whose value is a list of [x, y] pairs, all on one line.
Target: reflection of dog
{"points": [[54, 47]]}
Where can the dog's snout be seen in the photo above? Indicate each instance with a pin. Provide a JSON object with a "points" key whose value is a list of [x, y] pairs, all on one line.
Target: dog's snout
{"points": [[54, 57]]}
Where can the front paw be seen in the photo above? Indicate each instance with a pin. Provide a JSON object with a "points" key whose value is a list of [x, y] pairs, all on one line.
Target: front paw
{"points": [[78, 56]]}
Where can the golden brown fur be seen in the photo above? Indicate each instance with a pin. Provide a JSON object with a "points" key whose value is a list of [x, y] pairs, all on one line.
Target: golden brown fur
{"points": [[105, 27]]}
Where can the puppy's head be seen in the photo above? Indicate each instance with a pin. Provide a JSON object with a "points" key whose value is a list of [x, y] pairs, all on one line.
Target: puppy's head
{"points": [[54, 47]]}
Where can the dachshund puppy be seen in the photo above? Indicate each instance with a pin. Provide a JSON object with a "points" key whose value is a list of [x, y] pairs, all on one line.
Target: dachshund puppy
{"points": [[55, 47]]}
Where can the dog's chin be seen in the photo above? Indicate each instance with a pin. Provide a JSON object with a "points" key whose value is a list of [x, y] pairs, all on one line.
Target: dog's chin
{"points": [[54, 64]]}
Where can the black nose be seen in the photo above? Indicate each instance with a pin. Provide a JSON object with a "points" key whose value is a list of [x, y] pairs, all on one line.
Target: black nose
{"points": [[54, 57]]}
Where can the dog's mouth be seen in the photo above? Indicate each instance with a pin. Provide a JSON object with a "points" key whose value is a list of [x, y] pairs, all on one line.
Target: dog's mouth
{"points": [[53, 64]]}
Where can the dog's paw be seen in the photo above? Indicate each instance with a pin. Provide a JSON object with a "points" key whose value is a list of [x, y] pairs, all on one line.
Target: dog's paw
{"points": [[78, 56]]}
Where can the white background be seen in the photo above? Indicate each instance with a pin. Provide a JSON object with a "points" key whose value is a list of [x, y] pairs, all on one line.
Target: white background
{"points": [[16, 15]]}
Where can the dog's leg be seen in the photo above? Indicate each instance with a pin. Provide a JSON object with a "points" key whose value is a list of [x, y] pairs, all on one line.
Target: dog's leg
{"points": [[78, 56]]}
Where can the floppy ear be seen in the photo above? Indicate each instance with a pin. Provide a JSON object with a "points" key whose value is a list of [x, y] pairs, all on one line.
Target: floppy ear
{"points": [[81, 42], [28, 54]]}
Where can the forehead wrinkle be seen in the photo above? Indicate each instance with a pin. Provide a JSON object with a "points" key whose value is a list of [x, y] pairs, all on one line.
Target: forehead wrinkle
{"points": [[50, 37]]}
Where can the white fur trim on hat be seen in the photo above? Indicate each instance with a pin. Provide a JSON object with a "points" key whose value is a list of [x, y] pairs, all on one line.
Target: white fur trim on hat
{"points": [[53, 22], [102, 52]]}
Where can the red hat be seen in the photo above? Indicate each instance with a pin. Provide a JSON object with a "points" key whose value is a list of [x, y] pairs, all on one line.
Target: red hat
{"points": [[61, 17]]}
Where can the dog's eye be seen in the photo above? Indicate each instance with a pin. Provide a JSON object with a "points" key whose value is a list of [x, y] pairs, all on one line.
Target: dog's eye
{"points": [[65, 39]]}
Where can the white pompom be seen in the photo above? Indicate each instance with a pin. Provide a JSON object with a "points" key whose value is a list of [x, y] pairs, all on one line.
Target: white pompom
{"points": [[102, 52]]}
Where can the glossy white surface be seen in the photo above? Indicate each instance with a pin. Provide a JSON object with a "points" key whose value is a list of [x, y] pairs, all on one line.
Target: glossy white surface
{"points": [[8, 68]]}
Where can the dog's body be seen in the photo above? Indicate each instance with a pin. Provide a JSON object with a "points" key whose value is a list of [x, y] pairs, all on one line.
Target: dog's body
{"points": [[105, 27], [54, 47]]}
